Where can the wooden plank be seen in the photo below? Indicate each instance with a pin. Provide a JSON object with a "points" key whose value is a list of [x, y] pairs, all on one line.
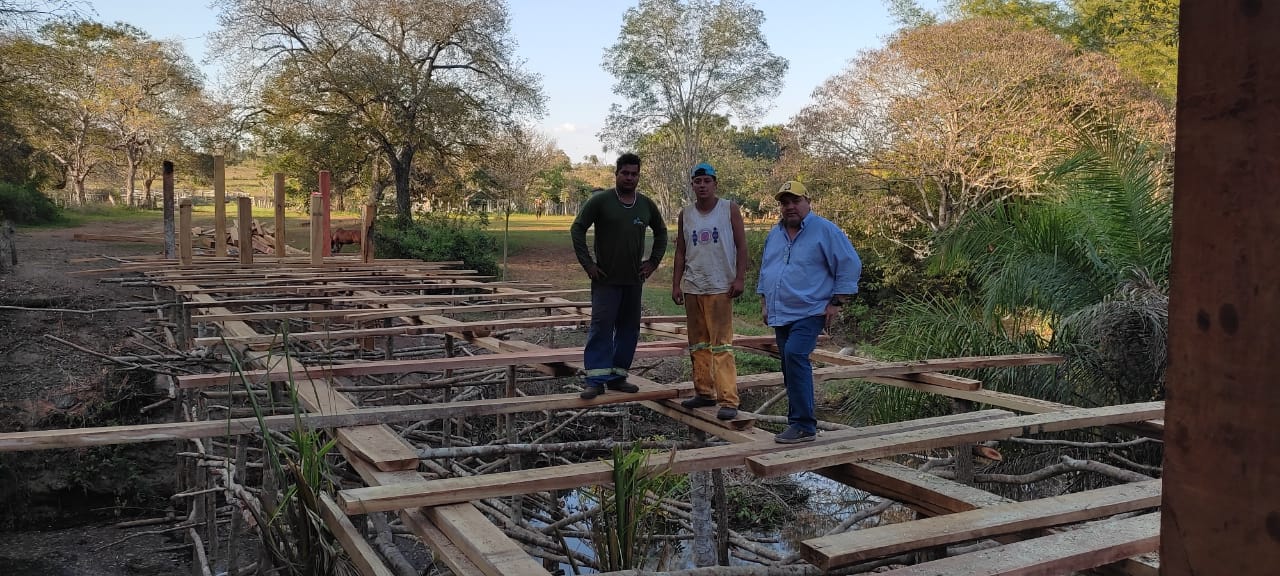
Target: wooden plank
{"points": [[315, 391], [365, 314], [839, 550], [443, 548], [391, 453], [1062, 553], [489, 325], [354, 301], [467, 488], [743, 421], [444, 284], [793, 461], [407, 366], [358, 549]]}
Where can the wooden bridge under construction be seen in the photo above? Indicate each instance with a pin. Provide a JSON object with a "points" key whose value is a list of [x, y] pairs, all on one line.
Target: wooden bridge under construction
{"points": [[307, 327]]}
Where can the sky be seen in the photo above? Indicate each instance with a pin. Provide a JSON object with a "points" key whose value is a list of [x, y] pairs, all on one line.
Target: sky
{"points": [[563, 41]]}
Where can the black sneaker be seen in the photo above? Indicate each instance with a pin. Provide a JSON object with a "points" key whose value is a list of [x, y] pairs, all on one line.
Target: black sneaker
{"points": [[726, 413], [591, 391], [621, 385], [698, 402], [793, 435]]}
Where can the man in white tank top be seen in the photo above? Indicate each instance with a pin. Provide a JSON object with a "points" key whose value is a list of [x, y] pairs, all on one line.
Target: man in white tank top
{"points": [[710, 269]]}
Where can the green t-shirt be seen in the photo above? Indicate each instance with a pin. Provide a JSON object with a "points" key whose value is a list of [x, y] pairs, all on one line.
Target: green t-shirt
{"points": [[619, 245]]}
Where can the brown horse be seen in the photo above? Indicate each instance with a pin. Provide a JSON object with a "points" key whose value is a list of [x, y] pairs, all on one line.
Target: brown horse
{"points": [[341, 237]]}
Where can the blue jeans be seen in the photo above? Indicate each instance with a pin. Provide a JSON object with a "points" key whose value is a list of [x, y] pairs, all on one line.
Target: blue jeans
{"points": [[614, 332], [795, 342]]}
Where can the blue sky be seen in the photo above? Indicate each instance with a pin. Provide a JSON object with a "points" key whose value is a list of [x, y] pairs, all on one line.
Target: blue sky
{"points": [[564, 41]]}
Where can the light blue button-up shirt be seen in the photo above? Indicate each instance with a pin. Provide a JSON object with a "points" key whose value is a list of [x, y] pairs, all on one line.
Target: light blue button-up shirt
{"points": [[798, 277]]}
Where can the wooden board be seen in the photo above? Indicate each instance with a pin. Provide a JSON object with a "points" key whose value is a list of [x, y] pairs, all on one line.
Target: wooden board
{"points": [[366, 560], [485, 325], [743, 421], [407, 366], [467, 488], [1062, 553], [340, 288], [793, 461], [839, 550], [374, 300]]}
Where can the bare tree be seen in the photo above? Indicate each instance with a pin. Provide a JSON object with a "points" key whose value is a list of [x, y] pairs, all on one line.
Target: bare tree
{"points": [[679, 63], [516, 160]]}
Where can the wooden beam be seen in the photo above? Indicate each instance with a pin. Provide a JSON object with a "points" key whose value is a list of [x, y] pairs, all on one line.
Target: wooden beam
{"points": [[1062, 553], [219, 207], [793, 461], [366, 560], [1222, 451], [244, 222], [373, 301], [279, 205], [409, 330], [366, 314], [406, 366], [467, 488], [107, 435], [839, 550]]}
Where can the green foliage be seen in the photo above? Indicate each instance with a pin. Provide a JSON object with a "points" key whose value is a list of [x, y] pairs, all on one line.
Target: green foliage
{"points": [[439, 238], [296, 474], [629, 513], [1083, 271], [23, 204]]}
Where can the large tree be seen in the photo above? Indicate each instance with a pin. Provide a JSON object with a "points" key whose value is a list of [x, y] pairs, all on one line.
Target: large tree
{"points": [[953, 117], [413, 76], [678, 64]]}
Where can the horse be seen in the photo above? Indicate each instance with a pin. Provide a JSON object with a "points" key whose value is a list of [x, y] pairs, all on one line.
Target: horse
{"points": [[341, 237]]}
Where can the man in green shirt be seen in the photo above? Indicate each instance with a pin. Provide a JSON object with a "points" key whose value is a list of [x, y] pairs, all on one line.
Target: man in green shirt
{"points": [[618, 271]]}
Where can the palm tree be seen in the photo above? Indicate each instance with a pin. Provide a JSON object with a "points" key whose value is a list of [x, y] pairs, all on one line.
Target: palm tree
{"points": [[1082, 269]]}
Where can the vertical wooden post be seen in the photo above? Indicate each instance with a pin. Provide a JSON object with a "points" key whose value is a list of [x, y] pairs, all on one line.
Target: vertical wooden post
{"points": [[963, 451], [184, 232], [219, 207], [170, 245], [515, 460], [244, 220], [324, 198], [1221, 508], [368, 215], [319, 242], [281, 251]]}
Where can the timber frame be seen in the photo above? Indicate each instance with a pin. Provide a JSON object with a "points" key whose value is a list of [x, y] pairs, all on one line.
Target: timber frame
{"points": [[313, 329]]}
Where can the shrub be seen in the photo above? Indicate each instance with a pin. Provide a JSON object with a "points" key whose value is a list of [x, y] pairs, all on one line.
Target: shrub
{"points": [[23, 204], [437, 238]]}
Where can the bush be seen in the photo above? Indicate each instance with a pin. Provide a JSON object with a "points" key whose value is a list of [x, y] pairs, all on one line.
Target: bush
{"points": [[23, 204], [439, 238]]}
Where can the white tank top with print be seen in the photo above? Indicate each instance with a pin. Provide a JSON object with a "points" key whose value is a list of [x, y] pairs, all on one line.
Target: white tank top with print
{"points": [[709, 251]]}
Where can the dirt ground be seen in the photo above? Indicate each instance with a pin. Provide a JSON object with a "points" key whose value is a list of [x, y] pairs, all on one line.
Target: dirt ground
{"points": [[57, 507]]}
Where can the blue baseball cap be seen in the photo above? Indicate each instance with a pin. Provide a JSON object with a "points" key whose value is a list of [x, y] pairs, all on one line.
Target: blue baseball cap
{"points": [[703, 169]]}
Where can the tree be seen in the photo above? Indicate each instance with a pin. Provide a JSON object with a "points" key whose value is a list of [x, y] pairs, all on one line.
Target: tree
{"points": [[1142, 35], [515, 161], [954, 117], [1082, 270], [678, 64], [412, 76], [149, 84]]}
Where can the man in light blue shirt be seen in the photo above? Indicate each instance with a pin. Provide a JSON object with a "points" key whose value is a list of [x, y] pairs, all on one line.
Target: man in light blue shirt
{"points": [[808, 270]]}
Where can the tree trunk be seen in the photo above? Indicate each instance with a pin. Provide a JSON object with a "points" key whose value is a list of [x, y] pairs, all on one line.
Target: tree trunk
{"points": [[402, 169], [133, 177], [704, 529]]}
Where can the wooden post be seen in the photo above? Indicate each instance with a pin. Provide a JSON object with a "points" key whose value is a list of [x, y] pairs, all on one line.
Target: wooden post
{"points": [[324, 198], [1221, 508], [704, 532], [281, 251], [170, 245], [244, 219], [368, 214], [184, 232], [319, 242], [963, 451], [219, 207]]}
